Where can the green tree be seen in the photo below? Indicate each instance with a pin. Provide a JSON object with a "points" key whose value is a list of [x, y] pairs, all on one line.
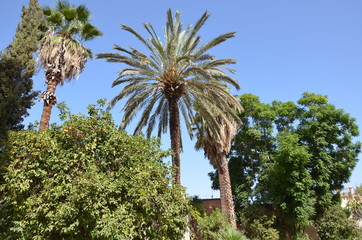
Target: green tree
{"points": [[81, 180], [62, 54], [176, 77], [17, 67], [324, 132], [328, 132]]}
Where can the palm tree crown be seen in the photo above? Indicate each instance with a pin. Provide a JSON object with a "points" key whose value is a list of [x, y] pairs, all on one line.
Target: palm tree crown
{"points": [[66, 27], [176, 76]]}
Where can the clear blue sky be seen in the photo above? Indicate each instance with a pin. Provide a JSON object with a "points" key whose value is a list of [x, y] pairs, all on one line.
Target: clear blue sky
{"points": [[283, 48]]}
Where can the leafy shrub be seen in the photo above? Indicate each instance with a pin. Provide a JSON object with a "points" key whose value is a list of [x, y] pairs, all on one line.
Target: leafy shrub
{"points": [[301, 236], [211, 226], [356, 210], [84, 179], [196, 214], [258, 223], [335, 224], [231, 234]]}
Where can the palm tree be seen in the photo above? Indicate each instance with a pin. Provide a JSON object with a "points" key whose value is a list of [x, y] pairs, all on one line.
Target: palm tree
{"points": [[62, 53], [176, 77], [216, 143]]}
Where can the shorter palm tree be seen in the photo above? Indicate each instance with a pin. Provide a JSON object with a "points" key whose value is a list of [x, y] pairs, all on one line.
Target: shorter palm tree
{"points": [[62, 53], [216, 143]]}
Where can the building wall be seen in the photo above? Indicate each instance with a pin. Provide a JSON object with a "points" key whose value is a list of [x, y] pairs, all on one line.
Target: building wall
{"points": [[211, 204]]}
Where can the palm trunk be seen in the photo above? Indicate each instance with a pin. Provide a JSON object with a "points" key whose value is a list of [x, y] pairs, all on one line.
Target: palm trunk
{"points": [[227, 202], [45, 116], [175, 135], [47, 108], [49, 97]]}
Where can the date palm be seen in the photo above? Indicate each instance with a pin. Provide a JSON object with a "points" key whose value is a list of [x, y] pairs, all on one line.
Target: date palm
{"points": [[216, 143], [62, 53], [174, 78]]}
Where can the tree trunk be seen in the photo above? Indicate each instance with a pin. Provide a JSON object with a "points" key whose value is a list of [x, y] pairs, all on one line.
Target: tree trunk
{"points": [[227, 202], [175, 135], [49, 101]]}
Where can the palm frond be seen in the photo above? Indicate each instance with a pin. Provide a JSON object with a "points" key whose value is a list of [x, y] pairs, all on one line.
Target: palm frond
{"points": [[133, 105], [191, 40], [83, 13], [146, 113], [214, 42], [153, 118]]}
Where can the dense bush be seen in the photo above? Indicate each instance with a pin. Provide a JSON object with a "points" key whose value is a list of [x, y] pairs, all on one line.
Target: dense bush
{"points": [[84, 179], [356, 210], [231, 234], [335, 224], [213, 227], [258, 223]]}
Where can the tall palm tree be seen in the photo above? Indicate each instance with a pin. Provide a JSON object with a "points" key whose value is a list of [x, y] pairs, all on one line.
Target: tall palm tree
{"points": [[175, 77], [62, 53], [216, 143]]}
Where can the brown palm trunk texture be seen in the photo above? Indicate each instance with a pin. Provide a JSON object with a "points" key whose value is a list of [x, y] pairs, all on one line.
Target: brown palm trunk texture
{"points": [[175, 134], [227, 202], [53, 77], [48, 104]]}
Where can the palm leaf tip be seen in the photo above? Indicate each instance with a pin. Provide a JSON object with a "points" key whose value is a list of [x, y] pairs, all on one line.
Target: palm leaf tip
{"points": [[62, 4], [70, 14], [89, 32], [202, 20], [83, 13], [47, 11]]}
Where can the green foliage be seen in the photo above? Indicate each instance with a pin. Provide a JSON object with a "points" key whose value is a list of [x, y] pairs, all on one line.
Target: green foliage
{"points": [[356, 210], [197, 212], [289, 183], [16, 96], [217, 227], [301, 236], [231, 234], [358, 190], [70, 21], [26, 40], [211, 226], [335, 224], [328, 133], [84, 179], [259, 223], [17, 67]]}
